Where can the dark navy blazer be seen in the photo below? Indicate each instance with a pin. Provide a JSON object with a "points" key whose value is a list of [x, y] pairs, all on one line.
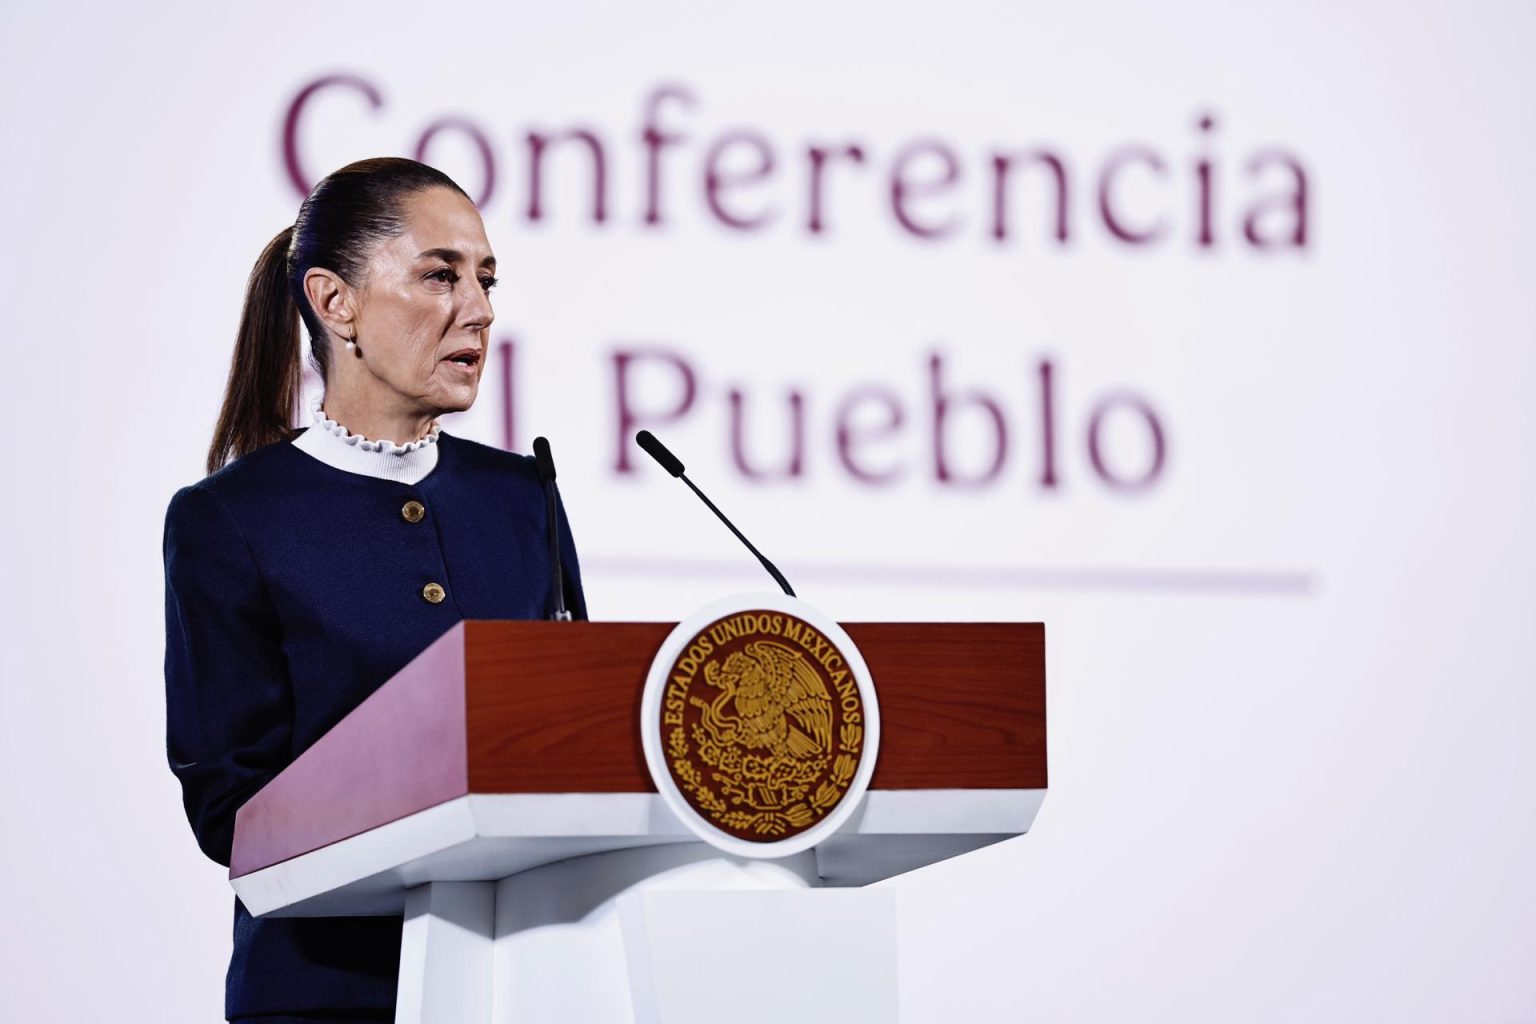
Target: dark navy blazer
{"points": [[293, 590]]}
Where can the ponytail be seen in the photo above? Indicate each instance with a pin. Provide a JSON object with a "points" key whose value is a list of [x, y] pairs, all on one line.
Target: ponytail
{"points": [[264, 375]]}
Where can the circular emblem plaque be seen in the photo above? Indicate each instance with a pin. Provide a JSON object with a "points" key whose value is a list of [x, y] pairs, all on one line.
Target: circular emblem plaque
{"points": [[760, 725]]}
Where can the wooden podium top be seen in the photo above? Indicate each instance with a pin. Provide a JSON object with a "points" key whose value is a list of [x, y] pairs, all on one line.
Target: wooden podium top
{"points": [[520, 707]]}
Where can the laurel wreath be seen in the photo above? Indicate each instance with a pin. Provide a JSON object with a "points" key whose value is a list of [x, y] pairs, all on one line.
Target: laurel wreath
{"points": [[798, 814]]}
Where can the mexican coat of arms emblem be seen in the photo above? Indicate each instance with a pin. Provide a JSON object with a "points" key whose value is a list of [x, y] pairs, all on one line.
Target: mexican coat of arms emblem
{"points": [[762, 724]]}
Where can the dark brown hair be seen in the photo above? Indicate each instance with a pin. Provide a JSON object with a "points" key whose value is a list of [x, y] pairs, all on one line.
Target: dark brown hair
{"points": [[340, 223]]}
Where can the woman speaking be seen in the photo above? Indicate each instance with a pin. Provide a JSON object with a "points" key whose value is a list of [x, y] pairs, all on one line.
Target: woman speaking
{"points": [[309, 566]]}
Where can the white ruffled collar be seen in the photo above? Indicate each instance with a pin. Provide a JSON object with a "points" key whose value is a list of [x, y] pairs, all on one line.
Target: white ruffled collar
{"points": [[334, 445], [324, 422]]}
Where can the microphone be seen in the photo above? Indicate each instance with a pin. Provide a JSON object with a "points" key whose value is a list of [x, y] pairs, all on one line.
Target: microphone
{"points": [[544, 466], [669, 462]]}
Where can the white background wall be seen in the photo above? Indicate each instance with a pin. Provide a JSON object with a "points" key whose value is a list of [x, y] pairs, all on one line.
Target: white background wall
{"points": [[1290, 684]]}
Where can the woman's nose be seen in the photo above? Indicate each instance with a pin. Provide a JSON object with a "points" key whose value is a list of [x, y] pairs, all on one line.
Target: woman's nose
{"points": [[477, 309]]}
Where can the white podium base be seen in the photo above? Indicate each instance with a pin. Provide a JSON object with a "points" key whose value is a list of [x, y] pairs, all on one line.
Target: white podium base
{"points": [[812, 956], [675, 934]]}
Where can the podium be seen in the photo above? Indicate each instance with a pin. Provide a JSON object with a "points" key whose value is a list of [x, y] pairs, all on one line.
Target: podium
{"points": [[494, 791]]}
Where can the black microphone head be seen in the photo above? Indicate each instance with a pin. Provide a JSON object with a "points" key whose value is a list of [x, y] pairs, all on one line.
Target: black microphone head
{"points": [[543, 461], [658, 451]]}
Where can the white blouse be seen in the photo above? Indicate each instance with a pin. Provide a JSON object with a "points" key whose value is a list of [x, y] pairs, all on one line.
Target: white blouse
{"points": [[334, 445]]}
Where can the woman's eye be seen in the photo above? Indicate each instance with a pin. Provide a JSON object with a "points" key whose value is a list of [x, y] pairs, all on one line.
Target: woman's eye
{"points": [[445, 275], [489, 282]]}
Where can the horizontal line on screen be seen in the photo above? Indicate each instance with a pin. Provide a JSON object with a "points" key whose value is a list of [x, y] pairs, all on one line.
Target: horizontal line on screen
{"points": [[1001, 577]]}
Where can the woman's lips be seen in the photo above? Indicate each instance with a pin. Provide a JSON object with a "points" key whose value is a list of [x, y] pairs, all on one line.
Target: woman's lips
{"points": [[465, 360]]}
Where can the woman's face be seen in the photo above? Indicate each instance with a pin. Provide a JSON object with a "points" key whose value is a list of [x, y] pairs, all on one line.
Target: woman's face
{"points": [[423, 313]]}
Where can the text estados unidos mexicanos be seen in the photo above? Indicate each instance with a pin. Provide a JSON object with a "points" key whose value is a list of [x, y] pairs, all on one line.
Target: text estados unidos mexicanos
{"points": [[675, 700]]}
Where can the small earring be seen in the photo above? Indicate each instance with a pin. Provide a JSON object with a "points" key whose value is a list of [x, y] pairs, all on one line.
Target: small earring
{"points": [[352, 343]]}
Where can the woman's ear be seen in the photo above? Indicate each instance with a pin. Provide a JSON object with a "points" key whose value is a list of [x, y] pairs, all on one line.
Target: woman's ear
{"points": [[332, 300]]}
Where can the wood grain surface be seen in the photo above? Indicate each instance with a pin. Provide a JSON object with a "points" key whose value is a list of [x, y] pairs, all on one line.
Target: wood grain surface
{"points": [[554, 707]]}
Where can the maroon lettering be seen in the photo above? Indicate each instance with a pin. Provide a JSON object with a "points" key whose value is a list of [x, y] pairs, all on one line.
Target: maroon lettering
{"points": [[538, 142], [1293, 202], [1101, 412], [1047, 371], [853, 434], [1205, 236], [1126, 442], [922, 183], [297, 175], [1002, 164], [508, 352], [654, 140], [794, 465], [1112, 219], [923, 177], [819, 158], [717, 178], [630, 418], [907, 186], [944, 406], [482, 145]]}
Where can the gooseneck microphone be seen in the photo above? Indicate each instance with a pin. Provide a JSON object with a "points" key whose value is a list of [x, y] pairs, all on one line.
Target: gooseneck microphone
{"points": [[544, 466], [669, 462]]}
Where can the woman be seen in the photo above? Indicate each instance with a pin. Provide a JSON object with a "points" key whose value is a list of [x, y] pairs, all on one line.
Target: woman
{"points": [[304, 573]]}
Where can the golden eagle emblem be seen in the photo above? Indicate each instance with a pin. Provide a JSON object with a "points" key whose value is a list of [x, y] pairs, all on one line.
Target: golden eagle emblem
{"points": [[769, 697], [762, 724]]}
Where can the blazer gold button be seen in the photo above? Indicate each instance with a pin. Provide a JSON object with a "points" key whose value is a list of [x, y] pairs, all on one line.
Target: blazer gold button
{"points": [[413, 512], [434, 593]]}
